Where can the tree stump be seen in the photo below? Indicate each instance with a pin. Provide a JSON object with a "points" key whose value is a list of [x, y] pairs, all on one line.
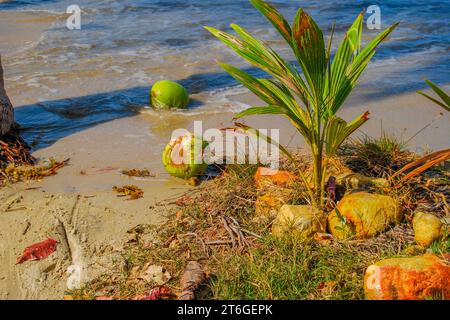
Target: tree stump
{"points": [[6, 108], [13, 149]]}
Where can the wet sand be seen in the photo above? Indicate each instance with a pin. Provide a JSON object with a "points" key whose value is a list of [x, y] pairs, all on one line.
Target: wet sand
{"points": [[21, 30]]}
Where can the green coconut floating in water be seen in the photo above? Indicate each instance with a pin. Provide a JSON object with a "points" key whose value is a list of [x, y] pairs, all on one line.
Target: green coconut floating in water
{"points": [[167, 94], [183, 157]]}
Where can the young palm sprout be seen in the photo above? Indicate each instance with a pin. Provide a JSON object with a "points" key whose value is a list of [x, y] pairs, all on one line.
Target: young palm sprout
{"points": [[310, 98]]}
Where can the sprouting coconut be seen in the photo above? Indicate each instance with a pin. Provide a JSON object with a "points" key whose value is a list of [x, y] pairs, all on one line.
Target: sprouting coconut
{"points": [[167, 94], [183, 157]]}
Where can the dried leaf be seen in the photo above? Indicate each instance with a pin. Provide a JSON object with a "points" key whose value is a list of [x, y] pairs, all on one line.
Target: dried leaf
{"points": [[156, 274], [138, 173], [157, 293]]}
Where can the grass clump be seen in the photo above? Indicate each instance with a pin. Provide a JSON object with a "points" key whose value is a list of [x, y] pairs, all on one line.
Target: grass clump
{"points": [[293, 269]]}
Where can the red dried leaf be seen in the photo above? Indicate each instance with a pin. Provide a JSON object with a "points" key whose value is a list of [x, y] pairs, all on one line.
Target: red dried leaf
{"points": [[157, 293], [38, 251]]}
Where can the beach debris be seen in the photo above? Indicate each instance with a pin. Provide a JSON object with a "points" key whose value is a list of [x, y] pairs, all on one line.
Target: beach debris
{"points": [[421, 165], [266, 177], [414, 250], [137, 173], [8, 203], [167, 94], [191, 280], [363, 214], [156, 293], [14, 173], [52, 167], [300, 220], [427, 228], [26, 228], [270, 203], [38, 251], [183, 156], [327, 287], [14, 150], [412, 278], [322, 238], [193, 181], [134, 192], [155, 274], [238, 237]]}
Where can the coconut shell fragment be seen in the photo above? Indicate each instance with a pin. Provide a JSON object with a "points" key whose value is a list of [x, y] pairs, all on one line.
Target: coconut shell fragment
{"points": [[266, 177]]}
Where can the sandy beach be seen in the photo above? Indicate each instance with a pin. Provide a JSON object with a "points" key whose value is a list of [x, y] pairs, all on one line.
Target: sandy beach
{"points": [[81, 192], [77, 207]]}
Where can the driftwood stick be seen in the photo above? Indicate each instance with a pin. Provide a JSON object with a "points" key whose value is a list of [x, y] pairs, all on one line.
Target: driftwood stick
{"points": [[218, 242], [230, 232]]}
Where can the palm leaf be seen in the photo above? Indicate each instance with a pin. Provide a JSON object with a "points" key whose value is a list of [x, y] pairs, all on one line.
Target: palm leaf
{"points": [[309, 48], [255, 52], [353, 71], [260, 110], [422, 164], [338, 130], [343, 56]]}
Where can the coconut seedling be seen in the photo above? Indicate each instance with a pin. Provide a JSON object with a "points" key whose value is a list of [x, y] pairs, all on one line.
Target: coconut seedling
{"points": [[167, 94], [311, 92]]}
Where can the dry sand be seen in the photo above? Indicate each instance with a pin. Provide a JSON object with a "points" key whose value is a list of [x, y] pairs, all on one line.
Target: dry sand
{"points": [[90, 228]]}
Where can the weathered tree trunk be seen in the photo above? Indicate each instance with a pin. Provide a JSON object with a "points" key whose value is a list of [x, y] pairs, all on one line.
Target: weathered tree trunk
{"points": [[6, 108]]}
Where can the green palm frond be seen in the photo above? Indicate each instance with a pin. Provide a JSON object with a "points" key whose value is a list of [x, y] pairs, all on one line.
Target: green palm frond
{"points": [[338, 130]]}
